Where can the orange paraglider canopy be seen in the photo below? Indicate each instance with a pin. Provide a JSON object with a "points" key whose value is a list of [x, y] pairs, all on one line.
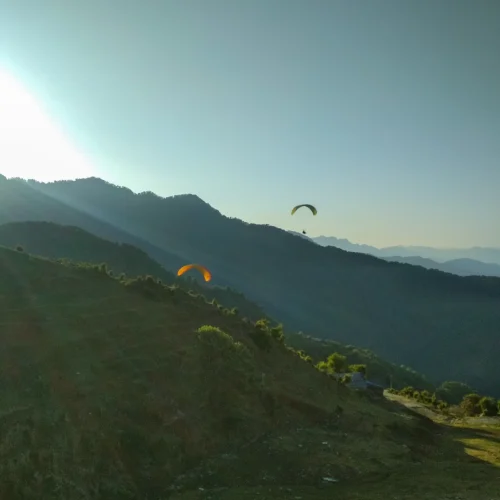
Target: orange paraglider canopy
{"points": [[206, 273]]}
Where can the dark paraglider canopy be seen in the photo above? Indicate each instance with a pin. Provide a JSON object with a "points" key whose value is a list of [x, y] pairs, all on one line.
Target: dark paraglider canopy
{"points": [[312, 208]]}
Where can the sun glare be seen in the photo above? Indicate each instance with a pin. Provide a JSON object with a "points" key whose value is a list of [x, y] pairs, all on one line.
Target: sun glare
{"points": [[31, 145]]}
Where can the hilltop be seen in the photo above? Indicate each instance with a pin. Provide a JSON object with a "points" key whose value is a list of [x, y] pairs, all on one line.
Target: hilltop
{"points": [[120, 389], [69, 242], [403, 313]]}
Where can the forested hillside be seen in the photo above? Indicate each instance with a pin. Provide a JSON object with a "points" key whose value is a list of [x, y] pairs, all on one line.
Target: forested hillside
{"points": [[69, 242], [404, 313]]}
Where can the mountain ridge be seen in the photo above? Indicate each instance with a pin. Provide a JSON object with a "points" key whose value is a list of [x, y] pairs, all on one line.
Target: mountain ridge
{"points": [[396, 310]]}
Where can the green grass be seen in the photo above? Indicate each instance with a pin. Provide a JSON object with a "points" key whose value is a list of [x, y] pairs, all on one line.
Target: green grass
{"points": [[108, 392]]}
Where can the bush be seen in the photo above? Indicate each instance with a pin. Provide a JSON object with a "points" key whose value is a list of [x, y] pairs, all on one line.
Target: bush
{"points": [[488, 406], [278, 334], [426, 397], [19, 248], [442, 405], [304, 356], [264, 337], [407, 391], [301, 354], [470, 404], [357, 369], [150, 288], [335, 363]]}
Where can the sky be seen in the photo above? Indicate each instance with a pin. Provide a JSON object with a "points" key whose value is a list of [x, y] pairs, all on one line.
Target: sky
{"points": [[384, 114]]}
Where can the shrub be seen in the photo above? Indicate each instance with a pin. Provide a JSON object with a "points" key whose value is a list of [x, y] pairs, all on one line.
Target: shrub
{"points": [[304, 356], [277, 333], [263, 336], [426, 397], [407, 391], [336, 362], [150, 288], [19, 248], [488, 406], [442, 405], [357, 368], [470, 404]]}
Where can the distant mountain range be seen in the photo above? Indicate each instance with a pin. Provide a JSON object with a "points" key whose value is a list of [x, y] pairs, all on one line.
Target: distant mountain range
{"points": [[461, 261]]}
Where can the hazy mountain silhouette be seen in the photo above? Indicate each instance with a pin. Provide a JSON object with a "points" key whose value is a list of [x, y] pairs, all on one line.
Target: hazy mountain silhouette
{"points": [[407, 314], [460, 267], [438, 255], [345, 244]]}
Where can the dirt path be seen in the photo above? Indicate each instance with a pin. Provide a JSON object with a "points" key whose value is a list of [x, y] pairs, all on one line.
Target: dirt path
{"points": [[460, 463]]}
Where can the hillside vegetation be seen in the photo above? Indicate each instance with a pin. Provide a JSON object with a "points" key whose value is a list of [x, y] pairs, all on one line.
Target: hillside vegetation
{"points": [[404, 313], [68, 242], [378, 370], [116, 389], [58, 242]]}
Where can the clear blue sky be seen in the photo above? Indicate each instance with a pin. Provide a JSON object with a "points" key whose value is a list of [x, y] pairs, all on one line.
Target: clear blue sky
{"points": [[385, 114]]}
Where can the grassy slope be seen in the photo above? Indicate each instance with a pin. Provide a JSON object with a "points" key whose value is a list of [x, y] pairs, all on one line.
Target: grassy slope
{"points": [[55, 241], [108, 394], [404, 313]]}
